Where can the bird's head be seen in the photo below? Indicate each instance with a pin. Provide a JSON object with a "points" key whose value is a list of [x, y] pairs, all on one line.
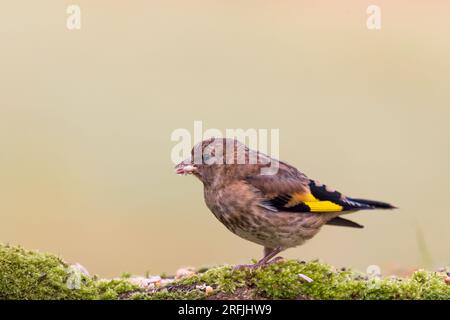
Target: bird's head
{"points": [[219, 157]]}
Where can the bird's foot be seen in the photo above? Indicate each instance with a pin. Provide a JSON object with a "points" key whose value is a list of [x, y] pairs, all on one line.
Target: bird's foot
{"points": [[257, 265], [275, 260]]}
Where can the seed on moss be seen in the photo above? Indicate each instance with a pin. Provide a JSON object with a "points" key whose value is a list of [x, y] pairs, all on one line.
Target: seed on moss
{"points": [[306, 278], [209, 290]]}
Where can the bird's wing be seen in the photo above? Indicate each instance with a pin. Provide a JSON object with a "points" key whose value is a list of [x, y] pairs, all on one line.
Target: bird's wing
{"points": [[292, 191], [287, 180]]}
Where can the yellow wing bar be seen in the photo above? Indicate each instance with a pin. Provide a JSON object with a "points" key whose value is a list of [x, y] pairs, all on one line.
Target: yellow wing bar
{"points": [[323, 206], [313, 203]]}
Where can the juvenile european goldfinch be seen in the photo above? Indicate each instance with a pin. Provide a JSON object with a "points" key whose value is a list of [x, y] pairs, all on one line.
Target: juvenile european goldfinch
{"points": [[278, 210]]}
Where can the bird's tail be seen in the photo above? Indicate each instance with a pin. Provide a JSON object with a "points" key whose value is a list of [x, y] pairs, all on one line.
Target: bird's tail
{"points": [[352, 204], [368, 204]]}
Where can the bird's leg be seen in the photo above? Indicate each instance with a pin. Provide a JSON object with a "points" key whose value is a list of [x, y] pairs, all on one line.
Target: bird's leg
{"points": [[269, 253]]}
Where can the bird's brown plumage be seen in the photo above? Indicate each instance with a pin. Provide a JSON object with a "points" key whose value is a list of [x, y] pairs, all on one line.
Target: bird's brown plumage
{"points": [[277, 211]]}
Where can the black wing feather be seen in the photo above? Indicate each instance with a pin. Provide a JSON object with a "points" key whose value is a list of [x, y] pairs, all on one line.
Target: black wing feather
{"points": [[338, 221]]}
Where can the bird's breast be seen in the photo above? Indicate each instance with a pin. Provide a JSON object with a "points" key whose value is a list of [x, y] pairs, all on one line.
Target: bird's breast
{"points": [[237, 208], [234, 199]]}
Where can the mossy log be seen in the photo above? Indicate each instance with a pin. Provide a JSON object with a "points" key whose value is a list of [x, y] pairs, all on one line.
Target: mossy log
{"points": [[33, 275]]}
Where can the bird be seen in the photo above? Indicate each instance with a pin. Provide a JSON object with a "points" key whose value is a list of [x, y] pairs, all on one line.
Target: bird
{"points": [[277, 210]]}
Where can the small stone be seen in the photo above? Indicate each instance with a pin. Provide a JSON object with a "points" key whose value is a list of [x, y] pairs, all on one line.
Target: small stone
{"points": [[165, 282], [184, 272], [143, 282], [153, 279]]}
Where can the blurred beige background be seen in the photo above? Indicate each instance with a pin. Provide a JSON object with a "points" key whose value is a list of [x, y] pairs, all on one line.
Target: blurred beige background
{"points": [[86, 118]]}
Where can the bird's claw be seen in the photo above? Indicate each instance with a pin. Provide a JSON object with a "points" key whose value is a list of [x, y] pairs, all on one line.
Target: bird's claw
{"points": [[275, 260], [257, 265]]}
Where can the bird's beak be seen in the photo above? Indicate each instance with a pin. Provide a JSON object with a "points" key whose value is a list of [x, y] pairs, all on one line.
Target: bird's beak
{"points": [[185, 167]]}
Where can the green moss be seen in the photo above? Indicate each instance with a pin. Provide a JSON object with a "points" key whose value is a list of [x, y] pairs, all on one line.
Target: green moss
{"points": [[126, 275], [33, 275], [114, 289], [222, 278], [165, 294], [282, 281]]}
